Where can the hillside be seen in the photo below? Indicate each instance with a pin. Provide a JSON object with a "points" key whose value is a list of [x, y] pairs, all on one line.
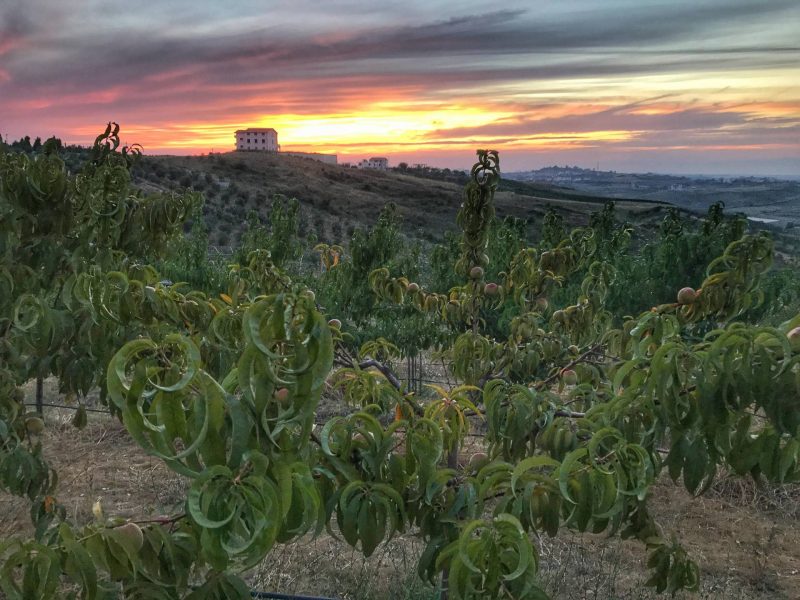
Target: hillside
{"points": [[336, 199], [771, 204]]}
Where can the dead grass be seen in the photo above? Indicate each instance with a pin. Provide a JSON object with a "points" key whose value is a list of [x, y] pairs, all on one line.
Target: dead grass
{"points": [[746, 537], [327, 566], [100, 463]]}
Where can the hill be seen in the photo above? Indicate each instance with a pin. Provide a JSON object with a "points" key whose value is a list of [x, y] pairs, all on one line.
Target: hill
{"points": [[335, 199], [771, 204]]}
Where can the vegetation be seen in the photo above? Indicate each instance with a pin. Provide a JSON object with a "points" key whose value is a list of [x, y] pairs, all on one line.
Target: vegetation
{"points": [[334, 198], [581, 405]]}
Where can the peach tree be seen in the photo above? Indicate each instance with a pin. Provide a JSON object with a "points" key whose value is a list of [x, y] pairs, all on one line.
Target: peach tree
{"points": [[580, 416], [65, 241]]}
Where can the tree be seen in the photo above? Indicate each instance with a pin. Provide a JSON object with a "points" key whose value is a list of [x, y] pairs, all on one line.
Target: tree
{"points": [[52, 145], [578, 414], [581, 414], [65, 242], [281, 239], [23, 144]]}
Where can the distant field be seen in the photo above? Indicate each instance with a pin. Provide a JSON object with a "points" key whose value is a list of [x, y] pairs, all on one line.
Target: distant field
{"points": [[762, 197], [777, 203]]}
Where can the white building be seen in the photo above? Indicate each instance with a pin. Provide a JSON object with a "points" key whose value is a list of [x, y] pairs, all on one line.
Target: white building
{"points": [[376, 162], [254, 138]]}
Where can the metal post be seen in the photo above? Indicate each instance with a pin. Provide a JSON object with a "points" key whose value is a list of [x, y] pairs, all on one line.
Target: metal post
{"points": [[40, 395]]}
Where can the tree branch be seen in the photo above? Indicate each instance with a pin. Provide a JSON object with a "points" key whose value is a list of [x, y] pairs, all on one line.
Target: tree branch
{"points": [[385, 371], [582, 358]]}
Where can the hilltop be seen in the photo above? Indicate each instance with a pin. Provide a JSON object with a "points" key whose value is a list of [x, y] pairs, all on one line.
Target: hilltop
{"points": [[335, 199]]}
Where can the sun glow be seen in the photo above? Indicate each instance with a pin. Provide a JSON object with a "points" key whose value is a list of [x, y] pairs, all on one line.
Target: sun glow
{"points": [[350, 131], [370, 127]]}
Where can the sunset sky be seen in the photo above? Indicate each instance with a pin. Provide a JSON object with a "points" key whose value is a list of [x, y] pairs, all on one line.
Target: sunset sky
{"points": [[682, 86]]}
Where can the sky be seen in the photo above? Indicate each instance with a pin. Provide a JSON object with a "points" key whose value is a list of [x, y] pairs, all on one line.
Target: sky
{"points": [[672, 86]]}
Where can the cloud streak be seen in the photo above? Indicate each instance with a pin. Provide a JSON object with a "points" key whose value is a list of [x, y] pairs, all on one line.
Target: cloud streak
{"points": [[575, 72]]}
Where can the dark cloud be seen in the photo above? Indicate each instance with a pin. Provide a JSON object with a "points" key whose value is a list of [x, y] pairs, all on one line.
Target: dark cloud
{"points": [[15, 21], [457, 49], [32, 20]]}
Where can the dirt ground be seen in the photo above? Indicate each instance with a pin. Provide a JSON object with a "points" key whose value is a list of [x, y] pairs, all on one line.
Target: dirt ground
{"points": [[746, 539]]}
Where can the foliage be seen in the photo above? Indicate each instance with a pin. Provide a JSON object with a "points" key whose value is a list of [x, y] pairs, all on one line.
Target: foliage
{"points": [[65, 244], [583, 408], [281, 239], [579, 410], [680, 252], [344, 291], [187, 259]]}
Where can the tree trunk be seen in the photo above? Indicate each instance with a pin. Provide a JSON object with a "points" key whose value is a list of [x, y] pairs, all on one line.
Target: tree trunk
{"points": [[444, 594], [40, 395]]}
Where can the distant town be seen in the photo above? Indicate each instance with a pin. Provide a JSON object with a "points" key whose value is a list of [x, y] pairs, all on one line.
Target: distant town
{"points": [[579, 175], [762, 199]]}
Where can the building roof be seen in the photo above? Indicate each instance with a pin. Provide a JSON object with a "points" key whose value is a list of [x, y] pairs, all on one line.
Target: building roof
{"points": [[256, 129]]}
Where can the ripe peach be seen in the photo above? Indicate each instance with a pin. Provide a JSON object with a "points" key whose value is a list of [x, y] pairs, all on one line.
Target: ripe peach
{"points": [[476, 272], [131, 532], [687, 295], [794, 339], [569, 376]]}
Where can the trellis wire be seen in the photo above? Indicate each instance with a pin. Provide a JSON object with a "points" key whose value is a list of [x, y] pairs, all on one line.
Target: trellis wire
{"points": [[279, 596]]}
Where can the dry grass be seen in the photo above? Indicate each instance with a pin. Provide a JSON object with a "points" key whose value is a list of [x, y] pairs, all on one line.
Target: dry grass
{"points": [[327, 566], [100, 463], [745, 537]]}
